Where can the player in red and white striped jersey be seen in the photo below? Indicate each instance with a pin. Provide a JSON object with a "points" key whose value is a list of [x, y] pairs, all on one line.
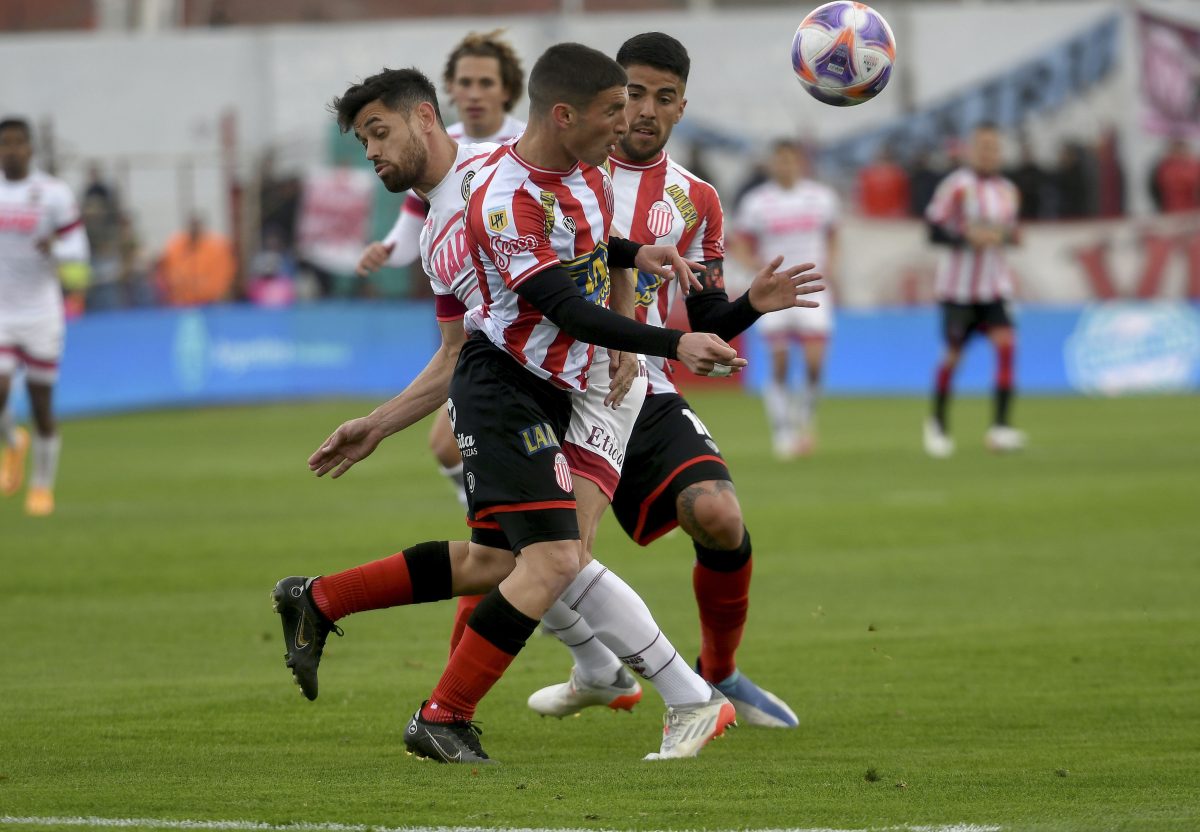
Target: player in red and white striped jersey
{"points": [[674, 473], [483, 76], [40, 230], [796, 216], [974, 213]]}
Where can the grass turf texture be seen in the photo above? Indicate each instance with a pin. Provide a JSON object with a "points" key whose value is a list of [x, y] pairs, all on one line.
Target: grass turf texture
{"points": [[990, 640]]}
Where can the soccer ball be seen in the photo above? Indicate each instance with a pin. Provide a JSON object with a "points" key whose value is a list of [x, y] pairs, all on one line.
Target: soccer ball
{"points": [[843, 53]]}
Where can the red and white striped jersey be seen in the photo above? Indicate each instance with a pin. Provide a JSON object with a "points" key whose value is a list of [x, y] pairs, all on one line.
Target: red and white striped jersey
{"points": [[522, 220], [444, 251], [661, 203], [404, 236], [35, 209], [964, 198], [794, 222]]}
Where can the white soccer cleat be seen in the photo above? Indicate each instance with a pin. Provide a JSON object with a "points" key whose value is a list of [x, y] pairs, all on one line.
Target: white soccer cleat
{"points": [[937, 444], [575, 694], [688, 728], [1002, 439]]}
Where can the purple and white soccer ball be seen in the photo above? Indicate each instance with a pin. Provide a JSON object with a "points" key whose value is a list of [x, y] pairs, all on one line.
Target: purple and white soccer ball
{"points": [[843, 53]]}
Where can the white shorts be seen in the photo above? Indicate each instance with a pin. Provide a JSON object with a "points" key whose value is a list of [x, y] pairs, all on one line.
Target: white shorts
{"points": [[36, 343], [798, 322], [598, 436]]}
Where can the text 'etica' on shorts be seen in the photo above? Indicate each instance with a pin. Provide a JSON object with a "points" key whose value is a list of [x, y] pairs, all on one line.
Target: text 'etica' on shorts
{"points": [[598, 438], [508, 424], [961, 320], [670, 449]]}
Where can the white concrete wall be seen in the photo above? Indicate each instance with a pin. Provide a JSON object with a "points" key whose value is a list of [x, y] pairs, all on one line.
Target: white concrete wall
{"points": [[156, 100]]}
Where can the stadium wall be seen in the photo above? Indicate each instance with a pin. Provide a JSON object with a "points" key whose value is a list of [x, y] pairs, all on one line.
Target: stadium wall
{"points": [[162, 358]]}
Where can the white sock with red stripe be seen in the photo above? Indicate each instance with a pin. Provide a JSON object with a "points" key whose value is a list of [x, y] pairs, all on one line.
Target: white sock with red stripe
{"points": [[594, 662], [805, 406], [45, 460], [620, 618], [455, 475]]}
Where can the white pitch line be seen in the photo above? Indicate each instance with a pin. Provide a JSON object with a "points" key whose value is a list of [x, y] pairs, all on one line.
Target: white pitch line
{"points": [[257, 826]]}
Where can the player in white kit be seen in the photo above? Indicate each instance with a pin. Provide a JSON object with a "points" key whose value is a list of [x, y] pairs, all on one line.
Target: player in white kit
{"points": [[792, 215], [484, 78], [40, 230]]}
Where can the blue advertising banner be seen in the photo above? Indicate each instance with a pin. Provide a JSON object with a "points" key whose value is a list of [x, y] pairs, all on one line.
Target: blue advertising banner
{"points": [[177, 358]]}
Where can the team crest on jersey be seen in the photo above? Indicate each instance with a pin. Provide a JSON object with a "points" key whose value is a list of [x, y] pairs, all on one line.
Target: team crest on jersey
{"points": [[562, 472], [465, 190], [684, 203], [548, 200], [609, 202], [647, 288], [569, 224], [538, 438], [497, 220], [660, 219]]}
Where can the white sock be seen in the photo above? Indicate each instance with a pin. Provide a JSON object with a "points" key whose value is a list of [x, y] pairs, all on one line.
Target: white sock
{"points": [[805, 406], [778, 403], [45, 460], [594, 662], [455, 475], [621, 619], [8, 427]]}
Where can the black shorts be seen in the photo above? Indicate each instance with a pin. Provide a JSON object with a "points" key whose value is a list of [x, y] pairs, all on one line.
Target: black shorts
{"points": [[670, 449], [508, 423], [961, 320]]}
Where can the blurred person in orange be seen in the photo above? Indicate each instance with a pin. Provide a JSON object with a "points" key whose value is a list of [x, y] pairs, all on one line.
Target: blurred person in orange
{"points": [[197, 266], [883, 189], [1175, 183]]}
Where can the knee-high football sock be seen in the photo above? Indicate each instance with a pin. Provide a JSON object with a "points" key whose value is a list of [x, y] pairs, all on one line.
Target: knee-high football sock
{"points": [[46, 450], [941, 395], [1004, 383], [594, 662], [721, 581], [419, 574], [455, 475], [466, 606], [495, 634]]}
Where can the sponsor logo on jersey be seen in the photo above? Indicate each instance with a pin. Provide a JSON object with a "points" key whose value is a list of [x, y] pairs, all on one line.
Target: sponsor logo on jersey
{"points": [[497, 220], [647, 288], [504, 250], [609, 201], [548, 200], [562, 472], [590, 273], [451, 411], [465, 190], [660, 219], [538, 438], [684, 203], [569, 224], [605, 445], [466, 444]]}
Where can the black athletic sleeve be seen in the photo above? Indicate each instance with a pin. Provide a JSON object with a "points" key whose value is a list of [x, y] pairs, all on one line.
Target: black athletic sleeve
{"points": [[710, 309], [555, 294], [938, 235], [622, 252]]}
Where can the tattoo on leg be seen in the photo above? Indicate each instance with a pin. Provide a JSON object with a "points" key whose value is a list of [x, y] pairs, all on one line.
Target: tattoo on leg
{"points": [[687, 510]]}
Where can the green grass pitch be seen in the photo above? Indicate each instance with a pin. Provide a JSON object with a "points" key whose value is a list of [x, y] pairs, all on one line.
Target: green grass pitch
{"points": [[1002, 641]]}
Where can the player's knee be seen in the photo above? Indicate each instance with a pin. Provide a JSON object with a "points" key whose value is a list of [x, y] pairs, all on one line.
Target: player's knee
{"points": [[713, 516], [556, 566]]}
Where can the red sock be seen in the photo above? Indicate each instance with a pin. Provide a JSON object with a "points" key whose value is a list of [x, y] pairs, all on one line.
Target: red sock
{"points": [[1004, 367], [944, 374], [373, 586], [474, 667], [466, 606], [723, 598]]}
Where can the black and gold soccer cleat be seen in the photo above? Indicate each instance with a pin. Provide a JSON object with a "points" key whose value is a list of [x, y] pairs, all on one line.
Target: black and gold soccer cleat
{"points": [[446, 742], [305, 629]]}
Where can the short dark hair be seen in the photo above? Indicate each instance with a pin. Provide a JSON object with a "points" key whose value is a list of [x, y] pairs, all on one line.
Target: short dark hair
{"points": [[16, 123], [571, 73], [489, 45], [398, 89], [657, 50]]}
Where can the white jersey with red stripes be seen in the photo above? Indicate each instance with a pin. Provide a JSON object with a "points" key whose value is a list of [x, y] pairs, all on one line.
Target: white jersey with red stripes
{"points": [[522, 220], [660, 202], [444, 251], [403, 238], [964, 198], [36, 211], [794, 222]]}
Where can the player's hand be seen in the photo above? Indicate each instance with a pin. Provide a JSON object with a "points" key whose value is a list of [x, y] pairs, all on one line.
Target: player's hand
{"points": [[622, 372], [773, 290], [707, 355], [352, 442], [374, 258], [665, 261]]}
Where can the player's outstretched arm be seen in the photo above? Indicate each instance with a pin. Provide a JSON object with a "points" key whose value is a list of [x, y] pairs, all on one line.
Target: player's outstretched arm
{"points": [[357, 439], [711, 310]]}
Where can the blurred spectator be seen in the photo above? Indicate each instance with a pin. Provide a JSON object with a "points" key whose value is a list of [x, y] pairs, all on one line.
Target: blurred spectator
{"points": [[1069, 186], [1110, 175], [1175, 180], [197, 267], [272, 274], [883, 189], [279, 202], [923, 178], [756, 176], [1030, 179], [101, 221]]}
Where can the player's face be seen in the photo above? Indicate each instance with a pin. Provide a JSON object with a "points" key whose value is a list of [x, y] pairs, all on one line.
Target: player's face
{"points": [[15, 153], [392, 145], [479, 94], [654, 107], [598, 128], [987, 154], [786, 166]]}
